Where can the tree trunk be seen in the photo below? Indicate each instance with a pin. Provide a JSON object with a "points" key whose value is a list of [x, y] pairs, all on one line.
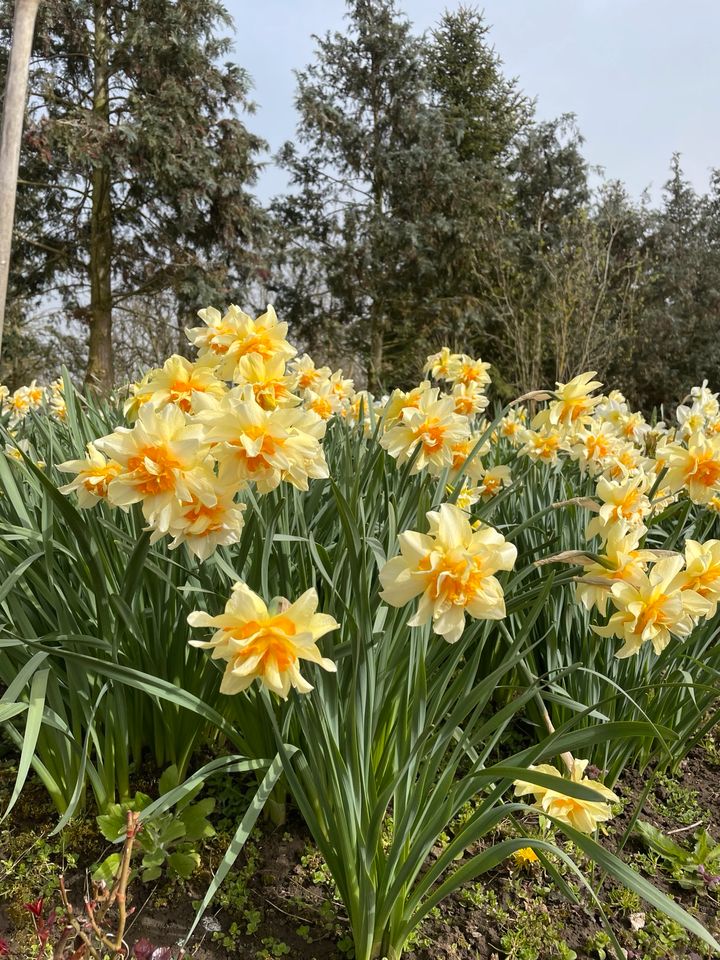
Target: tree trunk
{"points": [[13, 116], [100, 374], [377, 342]]}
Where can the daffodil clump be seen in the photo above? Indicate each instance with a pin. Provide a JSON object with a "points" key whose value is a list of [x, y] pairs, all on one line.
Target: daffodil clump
{"points": [[249, 413], [33, 397], [203, 432], [390, 614]]}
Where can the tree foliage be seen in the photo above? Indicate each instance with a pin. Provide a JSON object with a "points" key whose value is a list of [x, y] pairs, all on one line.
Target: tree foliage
{"points": [[136, 154], [427, 204]]}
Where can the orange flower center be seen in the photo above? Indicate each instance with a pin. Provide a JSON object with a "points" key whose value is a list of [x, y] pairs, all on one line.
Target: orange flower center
{"points": [[705, 583], [322, 407], [260, 343], [597, 447], [628, 505], [269, 393], [222, 330], [158, 478], [464, 405], [546, 447], [431, 434], [706, 470], [97, 479], [456, 580], [214, 515], [574, 407], [271, 643], [308, 378], [652, 614], [268, 448]]}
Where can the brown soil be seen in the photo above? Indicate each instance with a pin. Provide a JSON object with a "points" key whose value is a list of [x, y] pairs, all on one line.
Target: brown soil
{"points": [[293, 909]]}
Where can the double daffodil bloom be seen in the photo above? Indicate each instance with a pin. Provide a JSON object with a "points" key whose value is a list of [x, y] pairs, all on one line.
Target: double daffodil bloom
{"points": [[652, 607], [583, 815], [266, 643], [235, 335], [428, 431], [451, 569], [696, 468]]}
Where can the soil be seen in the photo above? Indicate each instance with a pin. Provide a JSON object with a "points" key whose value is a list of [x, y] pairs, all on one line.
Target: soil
{"points": [[292, 911]]}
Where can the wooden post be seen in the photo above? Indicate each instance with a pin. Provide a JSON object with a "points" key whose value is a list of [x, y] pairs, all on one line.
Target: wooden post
{"points": [[13, 117]]}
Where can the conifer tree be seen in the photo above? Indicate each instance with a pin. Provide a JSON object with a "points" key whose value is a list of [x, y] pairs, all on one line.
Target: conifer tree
{"points": [[394, 177], [137, 156]]}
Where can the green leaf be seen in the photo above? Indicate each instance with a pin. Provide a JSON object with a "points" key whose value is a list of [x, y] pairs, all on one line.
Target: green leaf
{"points": [[108, 869], [657, 841], [113, 824], [184, 864], [168, 780], [33, 724], [238, 842]]}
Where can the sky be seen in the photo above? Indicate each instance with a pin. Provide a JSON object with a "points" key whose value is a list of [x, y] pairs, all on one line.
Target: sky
{"points": [[642, 76]]}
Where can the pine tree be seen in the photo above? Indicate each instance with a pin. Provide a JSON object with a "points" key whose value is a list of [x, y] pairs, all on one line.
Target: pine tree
{"points": [[135, 152], [484, 110], [359, 106], [393, 181], [677, 342]]}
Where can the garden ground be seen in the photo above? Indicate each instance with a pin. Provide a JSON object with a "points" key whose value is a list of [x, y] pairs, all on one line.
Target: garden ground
{"points": [[279, 900]]}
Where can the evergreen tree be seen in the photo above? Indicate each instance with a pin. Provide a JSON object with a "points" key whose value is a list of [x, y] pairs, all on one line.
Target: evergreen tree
{"points": [[393, 179], [677, 343], [359, 106], [483, 110], [136, 154]]}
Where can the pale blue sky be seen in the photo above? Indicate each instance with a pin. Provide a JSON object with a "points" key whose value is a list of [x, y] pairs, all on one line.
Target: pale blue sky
{"points": [[642, 76]]}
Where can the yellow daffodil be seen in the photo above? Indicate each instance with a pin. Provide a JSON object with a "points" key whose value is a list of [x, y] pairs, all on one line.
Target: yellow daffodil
{"points": [[177, 382], [695, 468], [272, 386], [203, 525], [264, 643], [593, 446], [308, 376], [493, 480], [622, 560], [573, 402], [158, 458], [653, 607], [702, 571], [472, 469], [544, 444], [321, 401], [262, 446], [513, 424], [451, 569], [626, 461], [93, 472], [400, 400], [443, 364], [466, 498], [235, 335], [428, 430], [469, 399], [624, 506], [583, 815]]}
